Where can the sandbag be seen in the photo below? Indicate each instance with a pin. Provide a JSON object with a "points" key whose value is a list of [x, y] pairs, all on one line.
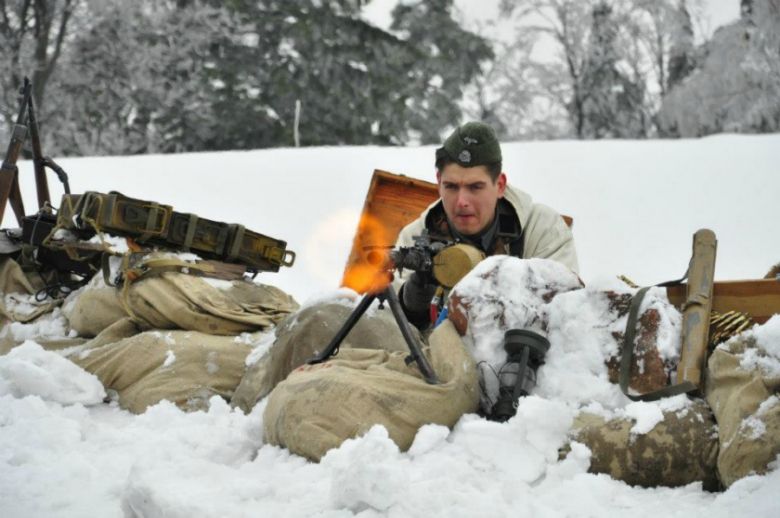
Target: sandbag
{"points": [[184, 367], [181, 301], [678, 451], [17, 293], [17, 299], [318, 407], [307, 332], [745, 401]]}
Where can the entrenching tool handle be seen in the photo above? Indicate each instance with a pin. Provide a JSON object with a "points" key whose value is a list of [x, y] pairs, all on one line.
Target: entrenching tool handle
{"points": [[697, 307]]}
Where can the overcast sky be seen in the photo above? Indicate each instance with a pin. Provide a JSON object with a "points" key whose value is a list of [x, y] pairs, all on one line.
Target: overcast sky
{"points": [[719, 12]]}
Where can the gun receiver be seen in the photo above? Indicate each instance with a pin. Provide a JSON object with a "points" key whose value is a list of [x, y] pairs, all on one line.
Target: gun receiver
{"points": [[418, 257], [444, 263]]}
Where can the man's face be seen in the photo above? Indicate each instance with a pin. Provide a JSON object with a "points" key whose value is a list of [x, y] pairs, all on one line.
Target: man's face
{"points": [[469, 196]]}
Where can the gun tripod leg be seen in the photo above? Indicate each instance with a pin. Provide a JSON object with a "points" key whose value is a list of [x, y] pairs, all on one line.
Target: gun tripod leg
{"points": [[411, 340], [333, 346]]}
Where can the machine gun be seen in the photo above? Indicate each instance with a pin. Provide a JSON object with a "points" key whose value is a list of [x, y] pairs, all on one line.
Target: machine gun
{"points": [[419, 258], [147, 223]]}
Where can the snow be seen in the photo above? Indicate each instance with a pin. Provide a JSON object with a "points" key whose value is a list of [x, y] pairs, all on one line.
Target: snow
{"points": [[766, 354], [649, 414], [636, 205], [260, 345], [53, 324], [117, 245], [29, 370], [170, 358]]}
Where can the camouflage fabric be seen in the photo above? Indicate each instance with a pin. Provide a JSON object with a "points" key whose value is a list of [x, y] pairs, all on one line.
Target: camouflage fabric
{"points": [[302, 335], [680, 450], [746, 406]]}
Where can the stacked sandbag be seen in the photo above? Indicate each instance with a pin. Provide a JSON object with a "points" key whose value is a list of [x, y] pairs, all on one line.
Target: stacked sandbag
{"points": [[743, 389], [173, 337], [180, 301], [184, 367], [304, 334], [318, 407], [680, 450]]}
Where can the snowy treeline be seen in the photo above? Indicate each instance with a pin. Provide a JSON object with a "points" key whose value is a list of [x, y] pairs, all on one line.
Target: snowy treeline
{"points": [[152, 76]]}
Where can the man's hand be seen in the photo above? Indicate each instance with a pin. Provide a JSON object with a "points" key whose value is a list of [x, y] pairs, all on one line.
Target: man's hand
{"points": [[416, 295]]}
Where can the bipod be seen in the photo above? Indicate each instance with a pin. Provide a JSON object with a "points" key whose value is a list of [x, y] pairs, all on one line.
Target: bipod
{"points": [[391, 297]]}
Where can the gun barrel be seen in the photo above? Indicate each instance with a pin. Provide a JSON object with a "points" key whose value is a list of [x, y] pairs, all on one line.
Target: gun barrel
{"points": [[41, 183]]}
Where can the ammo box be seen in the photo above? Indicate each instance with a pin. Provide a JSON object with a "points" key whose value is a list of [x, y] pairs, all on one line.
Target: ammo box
{"points": [[157, 224], [200, 235], [116, 213], [257, 251]]}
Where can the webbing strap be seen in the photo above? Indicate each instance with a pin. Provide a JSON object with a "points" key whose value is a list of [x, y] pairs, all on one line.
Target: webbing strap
{"points": [[155, 267], [628, 355], [191, 226], [151, 223], [235, 245], [106, 267]]}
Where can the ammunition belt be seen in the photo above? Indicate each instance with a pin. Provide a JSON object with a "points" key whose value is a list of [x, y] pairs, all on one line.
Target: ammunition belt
{"points": [[153, 223]]}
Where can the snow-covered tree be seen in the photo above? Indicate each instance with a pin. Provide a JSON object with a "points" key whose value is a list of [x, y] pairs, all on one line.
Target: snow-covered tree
{"points": [[184, 75], [613, 60], [33, 36], [737, 86]]}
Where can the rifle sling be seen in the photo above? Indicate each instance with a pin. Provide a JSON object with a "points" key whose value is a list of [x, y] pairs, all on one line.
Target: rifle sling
{"points": [[628, 352]]}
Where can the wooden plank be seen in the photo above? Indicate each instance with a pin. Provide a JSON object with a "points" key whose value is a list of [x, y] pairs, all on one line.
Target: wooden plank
{"points": [[758, 298], [393, 201]]}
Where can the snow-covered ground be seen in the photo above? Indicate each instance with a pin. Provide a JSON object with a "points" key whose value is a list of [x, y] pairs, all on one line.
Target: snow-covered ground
{"points": [[636, 206]]}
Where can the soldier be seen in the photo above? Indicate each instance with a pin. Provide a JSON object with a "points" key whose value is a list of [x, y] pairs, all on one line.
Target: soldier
{"points": [[479, 208]]}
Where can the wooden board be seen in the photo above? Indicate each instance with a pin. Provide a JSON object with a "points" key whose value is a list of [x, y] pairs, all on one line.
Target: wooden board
{"points": [[393, 201], [758, 298]]}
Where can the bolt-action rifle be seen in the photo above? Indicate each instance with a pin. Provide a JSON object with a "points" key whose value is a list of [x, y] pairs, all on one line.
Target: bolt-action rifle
{"points": [[9, 173]]}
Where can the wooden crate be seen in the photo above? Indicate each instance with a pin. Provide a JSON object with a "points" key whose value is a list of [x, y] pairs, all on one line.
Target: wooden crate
{"points": [[760, 298]]}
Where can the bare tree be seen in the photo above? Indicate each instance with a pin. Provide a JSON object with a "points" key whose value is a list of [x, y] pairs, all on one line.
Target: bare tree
{"points": [[613, 60], [737, 86], [34, 32]]}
